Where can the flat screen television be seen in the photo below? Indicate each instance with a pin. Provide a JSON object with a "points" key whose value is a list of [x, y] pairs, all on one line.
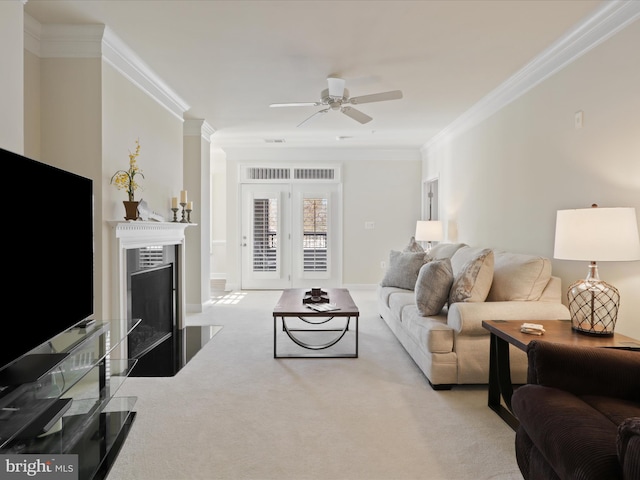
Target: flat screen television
{"points": [[49, 254]]}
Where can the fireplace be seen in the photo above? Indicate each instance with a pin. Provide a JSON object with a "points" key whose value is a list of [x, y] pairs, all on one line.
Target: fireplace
{"points": [[149, 285], [151, 288]]}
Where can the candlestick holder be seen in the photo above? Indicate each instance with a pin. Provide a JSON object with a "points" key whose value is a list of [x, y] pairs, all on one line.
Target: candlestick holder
{"points": [[183, 205], [189, 215], [175, 214]]}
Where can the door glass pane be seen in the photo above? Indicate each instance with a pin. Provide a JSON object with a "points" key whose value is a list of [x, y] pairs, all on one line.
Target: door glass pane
{"points": [[314, 236], [265, 241]]}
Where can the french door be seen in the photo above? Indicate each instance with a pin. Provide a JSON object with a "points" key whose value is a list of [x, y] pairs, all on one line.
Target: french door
{"points": [[291, 235]]}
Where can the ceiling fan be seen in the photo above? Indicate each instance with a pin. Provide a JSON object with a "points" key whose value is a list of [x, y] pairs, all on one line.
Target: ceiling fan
{"points": [[336, 97]]}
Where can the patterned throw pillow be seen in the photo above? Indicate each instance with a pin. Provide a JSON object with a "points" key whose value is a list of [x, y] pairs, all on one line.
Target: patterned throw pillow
{"points": [[473, 281], [433, 285], [403, 269]]}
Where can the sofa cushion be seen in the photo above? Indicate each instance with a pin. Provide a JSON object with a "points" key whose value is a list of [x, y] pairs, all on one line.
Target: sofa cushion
{"points": [[400, 299], [518, 276], [473, 280], [617, 410], [444, 250], [384, 293], [430, 333], [413, 246], [403, 269], [432, 286]]}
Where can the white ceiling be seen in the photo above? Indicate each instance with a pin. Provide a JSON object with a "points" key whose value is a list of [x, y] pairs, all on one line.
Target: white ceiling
{"points": [[228, 60]]}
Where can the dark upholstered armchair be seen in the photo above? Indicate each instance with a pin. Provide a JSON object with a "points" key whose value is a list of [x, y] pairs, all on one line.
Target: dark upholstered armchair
{"points": [[579, 413]]}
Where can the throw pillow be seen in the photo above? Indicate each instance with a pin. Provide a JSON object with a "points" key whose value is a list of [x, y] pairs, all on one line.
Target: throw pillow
{"points": [[518, 276], [413, 246], [433, 285], [473, 281], [403, 269], [462, 256]]}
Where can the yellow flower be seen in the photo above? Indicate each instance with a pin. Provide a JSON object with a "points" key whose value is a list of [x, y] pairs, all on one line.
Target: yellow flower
{"points": [[125, 179]]}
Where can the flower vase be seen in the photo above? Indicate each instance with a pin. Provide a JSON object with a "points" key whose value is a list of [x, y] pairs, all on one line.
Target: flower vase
{"points": [[131, 210]]}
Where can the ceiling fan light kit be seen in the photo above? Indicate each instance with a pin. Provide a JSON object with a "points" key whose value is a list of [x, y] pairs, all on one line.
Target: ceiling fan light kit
{"points": [[336, 97], [336, 87]]}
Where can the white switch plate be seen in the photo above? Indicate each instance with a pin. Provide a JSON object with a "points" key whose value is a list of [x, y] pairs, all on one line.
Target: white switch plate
{"points": [[579, 119], [369, 225]]}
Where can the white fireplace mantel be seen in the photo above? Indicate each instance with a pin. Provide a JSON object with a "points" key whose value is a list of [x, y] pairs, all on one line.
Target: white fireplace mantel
{"points": [[142, 234], [139, 234]]}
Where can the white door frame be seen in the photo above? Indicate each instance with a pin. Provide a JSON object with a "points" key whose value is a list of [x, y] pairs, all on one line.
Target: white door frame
{"points": [[290, 185]]}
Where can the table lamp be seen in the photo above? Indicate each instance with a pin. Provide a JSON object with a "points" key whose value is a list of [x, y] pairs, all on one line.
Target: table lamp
{"points": [[429, 231], [595, 234]]}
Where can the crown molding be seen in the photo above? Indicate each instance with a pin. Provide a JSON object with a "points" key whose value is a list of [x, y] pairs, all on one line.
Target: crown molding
{"points": [[71, 41], [198, 127], [123, 59], [98, 41], [611, 18], [32, 32]]}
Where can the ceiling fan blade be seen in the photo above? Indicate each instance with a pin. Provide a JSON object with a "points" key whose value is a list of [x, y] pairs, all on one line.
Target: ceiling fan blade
{"points": [[336, 87], [357, 115], [376, 97], [296, 104], [313, 116]]}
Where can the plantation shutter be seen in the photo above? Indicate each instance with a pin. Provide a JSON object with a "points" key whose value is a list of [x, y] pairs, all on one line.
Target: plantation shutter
{"points": [[265, 241], [314, 236]]}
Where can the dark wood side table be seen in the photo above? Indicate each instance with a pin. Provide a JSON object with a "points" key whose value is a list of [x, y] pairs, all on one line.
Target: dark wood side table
{"points": [[506, 332], [291, 305]]}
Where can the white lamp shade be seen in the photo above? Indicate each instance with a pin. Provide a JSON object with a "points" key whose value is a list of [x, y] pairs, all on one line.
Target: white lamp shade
{"points": [[429, 231], [597, 235]]}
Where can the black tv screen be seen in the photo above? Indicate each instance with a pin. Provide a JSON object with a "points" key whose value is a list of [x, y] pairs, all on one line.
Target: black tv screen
{"points": [[49, 254]]}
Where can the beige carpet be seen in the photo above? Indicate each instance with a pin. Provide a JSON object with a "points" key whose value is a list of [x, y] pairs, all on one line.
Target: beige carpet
{"points": [[235, 412]]}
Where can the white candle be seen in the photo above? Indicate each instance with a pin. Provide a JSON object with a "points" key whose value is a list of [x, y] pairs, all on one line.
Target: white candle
{"points": [[183, 196], [189, 205], [174, 202]]}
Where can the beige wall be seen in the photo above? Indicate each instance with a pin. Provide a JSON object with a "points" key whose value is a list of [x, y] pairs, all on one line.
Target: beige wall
{"points": [[70, 123], [502, 181], [11, 76], [386, 192], [70, 114], [197, 175], [218, 214], [32, 100], [129, 114], [382, 186]]}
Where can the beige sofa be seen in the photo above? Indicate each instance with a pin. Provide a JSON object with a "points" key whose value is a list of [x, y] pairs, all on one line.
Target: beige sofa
{"points": [[449, 343]]}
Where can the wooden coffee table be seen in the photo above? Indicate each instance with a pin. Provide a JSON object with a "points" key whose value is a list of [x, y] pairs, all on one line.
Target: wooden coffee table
{"points": [[506, 332], [291, 306]]}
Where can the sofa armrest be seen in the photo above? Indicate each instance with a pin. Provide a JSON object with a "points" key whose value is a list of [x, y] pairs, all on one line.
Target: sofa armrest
{"points": [[466, 317], [628, 446], [585, 370]]}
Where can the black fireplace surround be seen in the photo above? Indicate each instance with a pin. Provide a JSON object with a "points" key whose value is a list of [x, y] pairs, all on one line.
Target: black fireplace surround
{"points": [[152, 297]]}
